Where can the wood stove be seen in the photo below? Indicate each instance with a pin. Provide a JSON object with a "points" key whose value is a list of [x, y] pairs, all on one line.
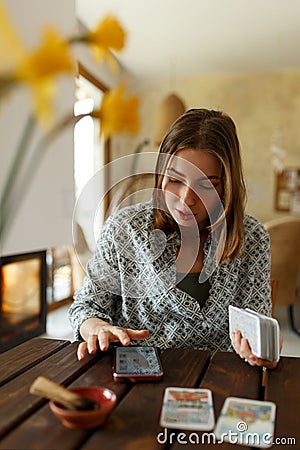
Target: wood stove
{"points": [[23, 301]]}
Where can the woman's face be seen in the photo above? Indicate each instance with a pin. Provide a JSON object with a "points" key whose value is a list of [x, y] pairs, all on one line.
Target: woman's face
{"points": [[192, 186]]}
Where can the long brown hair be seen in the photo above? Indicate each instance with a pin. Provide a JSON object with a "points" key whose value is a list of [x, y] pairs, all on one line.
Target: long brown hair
{"points": [[213, 132]]}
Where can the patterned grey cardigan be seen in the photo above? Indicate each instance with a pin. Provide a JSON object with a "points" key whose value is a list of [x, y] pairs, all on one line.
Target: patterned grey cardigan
{"points": [[131, 283]]}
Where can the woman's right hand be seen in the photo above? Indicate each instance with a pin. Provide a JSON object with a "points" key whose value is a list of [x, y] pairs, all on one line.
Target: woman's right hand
{"points": [[98, 334]]}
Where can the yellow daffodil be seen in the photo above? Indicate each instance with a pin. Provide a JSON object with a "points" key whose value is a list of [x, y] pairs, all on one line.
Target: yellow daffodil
{"points": [[107, 35], [38, 68], [49, 59], [11, 48], [43, 94], [118, 114]]}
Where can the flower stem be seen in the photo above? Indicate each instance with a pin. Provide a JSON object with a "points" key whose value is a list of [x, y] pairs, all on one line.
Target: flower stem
{"points": [[82, 39], [13, 173], [27, 177]]}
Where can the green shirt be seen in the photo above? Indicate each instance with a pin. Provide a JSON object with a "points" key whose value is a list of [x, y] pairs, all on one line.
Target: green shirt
{"points": [[191, 285]]}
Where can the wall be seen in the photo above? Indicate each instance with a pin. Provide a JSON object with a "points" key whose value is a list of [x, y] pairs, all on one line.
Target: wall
{"points": [[265, 108], [262, 105], [45, 216]]}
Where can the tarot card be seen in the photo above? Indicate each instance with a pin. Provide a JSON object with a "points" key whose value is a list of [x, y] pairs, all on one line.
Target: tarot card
{"points": [[187, 409], [246, 422]]}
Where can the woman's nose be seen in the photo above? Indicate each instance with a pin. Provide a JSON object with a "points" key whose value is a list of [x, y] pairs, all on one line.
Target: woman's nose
{"points": [[187, 195]]}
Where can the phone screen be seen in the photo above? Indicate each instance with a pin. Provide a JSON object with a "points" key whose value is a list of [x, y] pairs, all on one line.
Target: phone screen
{"points": [[137, 363]]}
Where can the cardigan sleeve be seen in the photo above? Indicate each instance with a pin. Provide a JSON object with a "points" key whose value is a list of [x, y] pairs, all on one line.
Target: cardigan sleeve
{"points": [[101, 287], [254, 283]]}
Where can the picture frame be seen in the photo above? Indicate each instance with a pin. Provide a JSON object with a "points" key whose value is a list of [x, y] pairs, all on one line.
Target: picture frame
{"points": [[287, 190]]}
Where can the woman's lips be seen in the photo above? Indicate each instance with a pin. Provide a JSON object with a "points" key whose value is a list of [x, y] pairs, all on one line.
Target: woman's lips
{"points": [[184, 215]]}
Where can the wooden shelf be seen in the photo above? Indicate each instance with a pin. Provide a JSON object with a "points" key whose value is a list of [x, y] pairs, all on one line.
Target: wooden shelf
{"points": [[287, 190]]}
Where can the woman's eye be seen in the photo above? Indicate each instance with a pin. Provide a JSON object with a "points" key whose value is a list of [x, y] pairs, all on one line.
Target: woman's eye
{"points": [[206, 186], [173, 180]]}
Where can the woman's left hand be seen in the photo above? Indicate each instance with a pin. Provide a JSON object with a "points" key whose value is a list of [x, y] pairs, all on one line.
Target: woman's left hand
{"points": [[242, 348]]}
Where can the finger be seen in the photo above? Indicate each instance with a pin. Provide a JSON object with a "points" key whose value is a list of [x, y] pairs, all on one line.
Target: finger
{"points": [[112, 334], [236, 340], [252, 360], [137, 334], [103, 339], [92, 343], [265, 363], [81, 351], [270, 364], [124, 335], [244, 348], [245, 352], [121, 334], [241, 346]]}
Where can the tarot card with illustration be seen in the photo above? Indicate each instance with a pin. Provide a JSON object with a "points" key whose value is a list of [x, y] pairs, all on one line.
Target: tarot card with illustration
{"points": [[187, 409], [246, 422]]}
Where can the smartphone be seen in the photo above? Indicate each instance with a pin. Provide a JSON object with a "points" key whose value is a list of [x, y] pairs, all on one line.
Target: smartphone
{"points": [[137, 364]]}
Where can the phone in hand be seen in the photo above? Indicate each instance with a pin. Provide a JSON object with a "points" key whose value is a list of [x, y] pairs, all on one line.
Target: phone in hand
{"points": [[137, 364]]}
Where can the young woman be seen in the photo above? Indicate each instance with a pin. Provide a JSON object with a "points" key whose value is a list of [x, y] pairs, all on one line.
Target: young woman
{"points": [[166, 271]]}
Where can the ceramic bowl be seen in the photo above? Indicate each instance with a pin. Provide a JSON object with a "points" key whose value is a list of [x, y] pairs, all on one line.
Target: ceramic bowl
{"points": [[92, 418]]}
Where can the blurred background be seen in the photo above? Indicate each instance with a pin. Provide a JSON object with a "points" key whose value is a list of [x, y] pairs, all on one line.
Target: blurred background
{"points": [[238, 56]]}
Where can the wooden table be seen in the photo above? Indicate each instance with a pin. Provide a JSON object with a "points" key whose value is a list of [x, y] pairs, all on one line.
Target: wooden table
{"points": [[26, 421]]}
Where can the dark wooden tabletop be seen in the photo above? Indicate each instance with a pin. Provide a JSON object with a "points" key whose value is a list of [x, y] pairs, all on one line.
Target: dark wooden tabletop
{"points": [[26, 421]]}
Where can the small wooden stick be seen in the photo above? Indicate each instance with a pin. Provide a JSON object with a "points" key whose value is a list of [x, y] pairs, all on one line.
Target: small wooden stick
{"points": [[43, 387]]}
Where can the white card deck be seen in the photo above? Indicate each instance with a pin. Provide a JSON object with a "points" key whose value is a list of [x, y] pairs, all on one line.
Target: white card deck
{"points": [[261, 331]]}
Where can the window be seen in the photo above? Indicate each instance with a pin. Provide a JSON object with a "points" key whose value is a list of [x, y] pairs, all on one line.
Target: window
{"points": [[90, 150]]}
